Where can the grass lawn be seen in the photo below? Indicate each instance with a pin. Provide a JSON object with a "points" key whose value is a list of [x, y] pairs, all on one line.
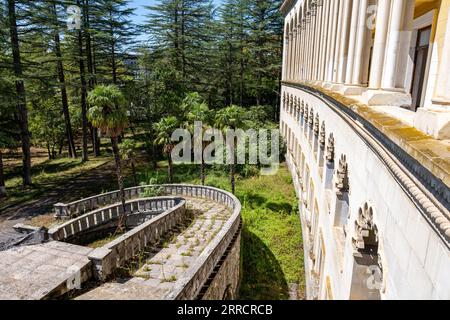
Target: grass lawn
{"points": [[46, 176], [272, 249]]}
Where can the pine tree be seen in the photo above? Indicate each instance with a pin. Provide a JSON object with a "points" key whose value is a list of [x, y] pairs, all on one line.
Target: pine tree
{"points": [[22, 113]]}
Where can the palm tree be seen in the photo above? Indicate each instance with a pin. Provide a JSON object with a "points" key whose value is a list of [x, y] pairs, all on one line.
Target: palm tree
{"points": [[197, 111], [108, 114], [163, 130], [232, 117], [128, 147]]}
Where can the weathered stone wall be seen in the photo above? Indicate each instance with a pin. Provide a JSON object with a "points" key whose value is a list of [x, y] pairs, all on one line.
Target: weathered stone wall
{"points": [[114, 254], [223, 283], [353, 189]]}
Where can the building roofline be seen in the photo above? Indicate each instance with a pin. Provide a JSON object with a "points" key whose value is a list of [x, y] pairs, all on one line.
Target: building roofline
{"points": [[287, 6]]}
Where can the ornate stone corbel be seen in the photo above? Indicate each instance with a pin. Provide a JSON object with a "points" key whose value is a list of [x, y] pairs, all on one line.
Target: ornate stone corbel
{"points": [[306, 113], [311, 118], [342, 184], [322, 136], [330, 148], [316, 125]]}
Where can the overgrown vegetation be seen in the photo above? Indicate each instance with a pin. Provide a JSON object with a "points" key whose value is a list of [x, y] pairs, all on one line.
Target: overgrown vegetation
{"points": [[272, 249]]}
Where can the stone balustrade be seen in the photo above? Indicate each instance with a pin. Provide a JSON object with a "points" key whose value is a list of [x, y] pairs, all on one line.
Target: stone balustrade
{"points": [[79, 207], [109, 214], [114, 254], [221, 249]]}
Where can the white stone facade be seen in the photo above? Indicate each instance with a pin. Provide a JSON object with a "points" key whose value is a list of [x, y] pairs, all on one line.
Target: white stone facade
{"points": [[354, 196], [391, 54]]}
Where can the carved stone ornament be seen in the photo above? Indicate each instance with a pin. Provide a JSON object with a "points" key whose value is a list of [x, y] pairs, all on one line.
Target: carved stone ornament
{"points": [[330, 148], [342, 184], [323, 135]]}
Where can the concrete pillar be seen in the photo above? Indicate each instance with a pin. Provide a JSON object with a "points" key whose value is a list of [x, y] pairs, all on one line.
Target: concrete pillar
{"points": [[285, 55], [379, 48], [312, 41], [294, 51], [442, 91], [343, 48], [326, 35], [308, 49], [299, 48], [352, 41], [332, 39], [318, 47], [337, 50], [393, 44], [360, 43], [396, 47], [290, 57], [434, 119]]}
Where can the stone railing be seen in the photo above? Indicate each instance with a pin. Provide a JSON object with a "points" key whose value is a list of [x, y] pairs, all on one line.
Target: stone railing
{"points": [[189, 285], [116, 253], [79, 207], [109, 215]]}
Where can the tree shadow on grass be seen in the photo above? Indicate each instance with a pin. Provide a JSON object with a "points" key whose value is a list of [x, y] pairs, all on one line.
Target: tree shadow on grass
{"points": [[262, 276]]}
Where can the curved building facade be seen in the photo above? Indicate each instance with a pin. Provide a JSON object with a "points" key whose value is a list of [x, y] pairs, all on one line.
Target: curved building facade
{"points": [[365, 115]]}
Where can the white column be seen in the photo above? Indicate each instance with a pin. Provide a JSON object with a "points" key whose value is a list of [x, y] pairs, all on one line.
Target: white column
{"points": [[318, 48], [290, 56], [294, 50], [379, 47], [312, 35], [297, 54], [325, 36], [308, 48], [442, 91], [352, 41], [337, 50], [343, 48], [285, 55], [395, 34], [360, 43], [332, 39]]}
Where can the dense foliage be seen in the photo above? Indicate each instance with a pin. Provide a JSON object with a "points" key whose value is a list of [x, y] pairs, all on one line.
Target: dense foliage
{"points": [[228, 55]]}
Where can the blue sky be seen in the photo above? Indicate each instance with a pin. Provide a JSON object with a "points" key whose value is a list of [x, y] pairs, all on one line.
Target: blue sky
{"points": [[140, 11]]}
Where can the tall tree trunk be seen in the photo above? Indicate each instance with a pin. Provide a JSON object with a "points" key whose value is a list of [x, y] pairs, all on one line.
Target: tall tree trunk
{"points": [[232, 178], [94, 68], [92, 80], [62, 81], [84, 121], [170, 168], [2, 177], [202, 170], [113, 52], [123, 217], [21, 98], [154, 157], [133, 169]]}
